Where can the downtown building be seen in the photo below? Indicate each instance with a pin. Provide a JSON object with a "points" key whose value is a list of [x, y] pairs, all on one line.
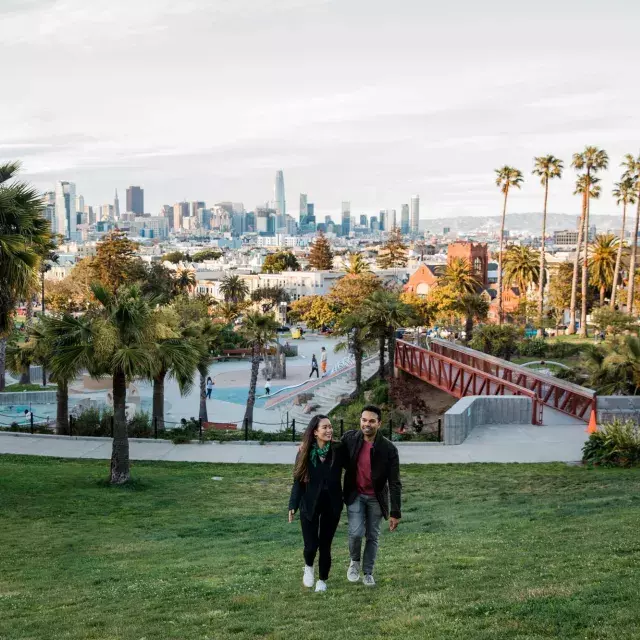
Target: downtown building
{"points": [[135, 200], [66, 218]]}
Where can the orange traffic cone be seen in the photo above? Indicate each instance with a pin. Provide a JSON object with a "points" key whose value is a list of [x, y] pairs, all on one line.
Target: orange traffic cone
{"points": [[593, 427]]}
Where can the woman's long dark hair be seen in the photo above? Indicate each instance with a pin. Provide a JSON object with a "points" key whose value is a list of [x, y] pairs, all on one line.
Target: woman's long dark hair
{"points": [[301, 469]]}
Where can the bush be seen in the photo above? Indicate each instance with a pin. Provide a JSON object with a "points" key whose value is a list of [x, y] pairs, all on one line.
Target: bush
{"points": [[563, 349], [533, 347], [97, 422], [615, 444], [612, 321], [497, 340]]}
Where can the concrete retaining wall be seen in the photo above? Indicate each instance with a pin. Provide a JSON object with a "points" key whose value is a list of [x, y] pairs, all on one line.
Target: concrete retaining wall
{"points": [[26, 397], [620, 407], [472, 411]]}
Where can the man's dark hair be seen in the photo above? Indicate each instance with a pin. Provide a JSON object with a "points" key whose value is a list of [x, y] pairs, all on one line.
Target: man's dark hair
{"points": [[373, 409]]}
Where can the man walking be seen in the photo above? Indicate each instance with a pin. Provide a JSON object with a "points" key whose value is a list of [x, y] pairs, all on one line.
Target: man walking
{"points": [[323, 361], [372, 491]]}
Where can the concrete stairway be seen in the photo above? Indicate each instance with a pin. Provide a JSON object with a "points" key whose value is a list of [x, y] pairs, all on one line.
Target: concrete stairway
{"points": [[327, 395]]}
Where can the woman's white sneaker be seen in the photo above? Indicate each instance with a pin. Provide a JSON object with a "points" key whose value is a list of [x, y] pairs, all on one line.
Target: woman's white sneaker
{"points": [[321, 585], [353, 572], [308, 577]]}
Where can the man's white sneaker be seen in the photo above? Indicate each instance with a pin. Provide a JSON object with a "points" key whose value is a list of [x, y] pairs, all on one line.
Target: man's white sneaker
{"points": [[353, 572], [368, 580], [307, 577], [321, 585]]}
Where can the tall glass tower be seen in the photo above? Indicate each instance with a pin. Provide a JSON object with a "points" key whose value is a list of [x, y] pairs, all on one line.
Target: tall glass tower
{"points": [[278, 196], [415, 213]]}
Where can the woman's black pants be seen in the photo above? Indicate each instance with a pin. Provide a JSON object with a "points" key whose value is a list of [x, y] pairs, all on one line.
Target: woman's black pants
{"points": [[318, 535], [316, 371]]}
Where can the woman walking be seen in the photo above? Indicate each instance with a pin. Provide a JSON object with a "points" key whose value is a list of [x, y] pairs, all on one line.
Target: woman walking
{"points": [[317, 492], [314, 366], [209, 387]]}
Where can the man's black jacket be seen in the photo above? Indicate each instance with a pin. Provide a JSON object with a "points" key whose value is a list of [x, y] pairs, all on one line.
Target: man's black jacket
{"points": [[385, 472], [304, 496]]}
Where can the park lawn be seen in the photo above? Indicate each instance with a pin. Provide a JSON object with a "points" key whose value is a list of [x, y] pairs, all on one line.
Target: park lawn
{"points": [[483, 551]]}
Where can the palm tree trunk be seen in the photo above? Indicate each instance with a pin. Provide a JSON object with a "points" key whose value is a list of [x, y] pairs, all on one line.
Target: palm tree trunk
{"points": [[576, 269], [203, 397], [157, 410], [381, 357], [616, 271], [542, 279], [504, 214], [3, 362], [468, 327], [632, 262], [120, 470], [251, 399], [585, 268], [25, 375], [391, 340], [357, 352], [62, 409], [602, 295]]}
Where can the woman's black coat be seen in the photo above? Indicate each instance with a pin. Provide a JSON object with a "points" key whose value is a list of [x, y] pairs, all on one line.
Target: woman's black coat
{"points": [[304, 496]]}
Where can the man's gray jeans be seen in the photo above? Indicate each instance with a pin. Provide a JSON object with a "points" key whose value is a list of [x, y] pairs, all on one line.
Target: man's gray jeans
{"points": [[365, 518]]}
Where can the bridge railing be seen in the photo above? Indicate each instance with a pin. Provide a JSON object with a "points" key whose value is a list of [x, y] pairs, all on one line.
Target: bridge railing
{"points": [[457, 378]]}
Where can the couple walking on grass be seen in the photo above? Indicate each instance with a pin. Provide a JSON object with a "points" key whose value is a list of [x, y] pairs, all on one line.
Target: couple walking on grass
{"points": [[371, 491]]}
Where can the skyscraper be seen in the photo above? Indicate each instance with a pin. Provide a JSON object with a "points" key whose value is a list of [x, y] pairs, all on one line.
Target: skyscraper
{"points": [[303, 207], [278, 196], [66, 209], [116, 206], [382, 225], [195, 206], [415, 214], [363, 220], [390, 220], [135, 200], [346, 218], [404, 219], [180, 211]]}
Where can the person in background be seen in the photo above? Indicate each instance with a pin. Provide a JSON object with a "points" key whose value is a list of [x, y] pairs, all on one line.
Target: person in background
{"points": [[323, 361], [267, 386], [209, 387], [317, 492], [314, 366]]}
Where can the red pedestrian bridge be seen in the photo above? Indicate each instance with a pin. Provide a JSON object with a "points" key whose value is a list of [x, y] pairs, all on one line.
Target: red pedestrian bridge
{"points": [[461, 372]]}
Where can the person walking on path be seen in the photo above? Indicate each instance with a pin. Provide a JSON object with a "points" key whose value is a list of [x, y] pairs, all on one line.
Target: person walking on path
{"points": [[210, 384], [323, 361], [267, 387], [317, 492], [372, 491], [314, 366]]}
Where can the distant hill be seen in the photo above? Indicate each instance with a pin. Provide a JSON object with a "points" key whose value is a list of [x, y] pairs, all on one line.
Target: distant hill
{"points": [[518, 223]]}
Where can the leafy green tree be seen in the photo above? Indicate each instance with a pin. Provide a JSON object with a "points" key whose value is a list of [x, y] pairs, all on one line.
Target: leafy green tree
{"points": [[591, 160], [175, 257], [353, 327], [205, 254], [497, 340], [116, 262], [269, 297], [394, 252], [159, 283], [624, 193], [632, 173], [506, 178], [234, 289], [280, 261], [521, 268], [613, 322], [320, 255], [259, 330], [547, 168], [314, 311], [602, 261]]}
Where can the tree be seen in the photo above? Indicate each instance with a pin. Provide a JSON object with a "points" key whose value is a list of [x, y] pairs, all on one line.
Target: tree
{"points": [[506, 178], [632, 172], [591, 160], [259, 330], [394, 252], [583, 186], [499, 341], [24, 237], [280, 261], [234, 289], [521, 268], [547, 167], [473, 307], [314, 311], [354, 328], [624, 194], [348, 293], [613, 321], [269, 297], [175, 257], [615, 368], [424, 309], [159, 283], [356, 264], [19, 359], [560, 291], [602, 261], [205, 254], [116, 262], [184, 280], [320, 256], [459, 277]]}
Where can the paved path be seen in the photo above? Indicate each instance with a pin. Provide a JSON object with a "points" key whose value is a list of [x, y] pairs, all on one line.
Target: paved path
{"points": [[490, 443]]}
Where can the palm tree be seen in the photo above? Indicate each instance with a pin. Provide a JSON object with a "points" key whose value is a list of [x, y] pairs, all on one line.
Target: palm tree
{"points": [[547, 167], [459, 277], [633, 173], [474, 307], [234, 289], [624, 194], [185, 279], [23, 235], [356, 264], [384, 313], [616, 370], [207, 340], [591, 160], [19, 359], [259, 330], [354, 327], [506, 177], [521, 268], [602, 262], [593, 189]]}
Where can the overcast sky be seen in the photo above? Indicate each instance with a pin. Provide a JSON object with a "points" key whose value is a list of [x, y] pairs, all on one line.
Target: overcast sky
{"points": [[363, 100]]}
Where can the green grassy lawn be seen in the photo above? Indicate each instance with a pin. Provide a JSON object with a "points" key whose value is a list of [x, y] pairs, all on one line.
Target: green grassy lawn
{"points": [[483, 551]]}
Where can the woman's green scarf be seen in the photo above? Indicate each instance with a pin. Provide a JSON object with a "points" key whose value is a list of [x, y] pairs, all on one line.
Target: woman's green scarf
{"points": [[317, 452]]}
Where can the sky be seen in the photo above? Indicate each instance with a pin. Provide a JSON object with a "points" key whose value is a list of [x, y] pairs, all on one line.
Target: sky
{"points": [[369, 101]]}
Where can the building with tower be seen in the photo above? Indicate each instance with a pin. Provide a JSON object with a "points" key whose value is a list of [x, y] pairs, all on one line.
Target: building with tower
{"points": [[135, 200], [415, 214], [116, 206]]}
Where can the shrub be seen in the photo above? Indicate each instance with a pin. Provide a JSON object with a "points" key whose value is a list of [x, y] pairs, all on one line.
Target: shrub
{"points": [[563, 349], [97, 422], [616, 443], [533, 347], [612, 321], [497, 340]]}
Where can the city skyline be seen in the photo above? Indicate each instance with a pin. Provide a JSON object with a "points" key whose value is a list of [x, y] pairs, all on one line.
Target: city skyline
{"points": [[466, 106]]}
